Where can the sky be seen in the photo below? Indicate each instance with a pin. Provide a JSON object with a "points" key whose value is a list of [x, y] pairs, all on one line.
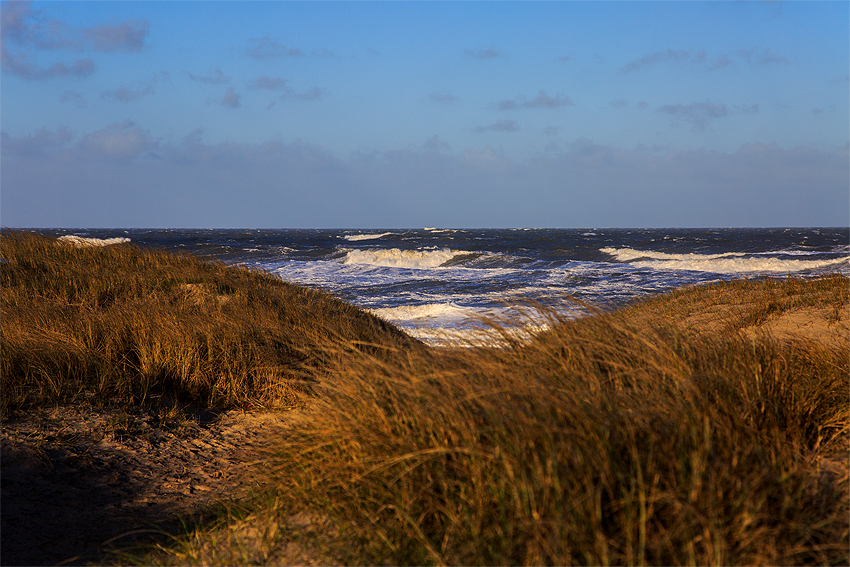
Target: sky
{"points": [[241, 114]]}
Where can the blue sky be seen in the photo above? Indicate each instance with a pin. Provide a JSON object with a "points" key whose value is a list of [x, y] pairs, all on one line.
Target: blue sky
{"points": [[405, 114]]}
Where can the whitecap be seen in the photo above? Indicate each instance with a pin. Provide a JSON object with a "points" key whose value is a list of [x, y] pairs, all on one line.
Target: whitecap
{"points": [[395, 258], [449, 324], [83, 242], [356, 237], [629, 254], [729, 263]]}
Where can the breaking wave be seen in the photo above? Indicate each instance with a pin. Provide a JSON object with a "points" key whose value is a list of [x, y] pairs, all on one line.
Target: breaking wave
{"points": [[396, 258], [448, 324], [83, 242], [726, 263], [446, 313], [356, 237]]}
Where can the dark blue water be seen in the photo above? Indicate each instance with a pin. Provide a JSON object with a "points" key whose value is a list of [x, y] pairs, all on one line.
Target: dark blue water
{"points": [[431, 281]]}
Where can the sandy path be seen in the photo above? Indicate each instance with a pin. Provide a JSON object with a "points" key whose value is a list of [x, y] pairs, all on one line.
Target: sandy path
{"points": [[72, 481]]}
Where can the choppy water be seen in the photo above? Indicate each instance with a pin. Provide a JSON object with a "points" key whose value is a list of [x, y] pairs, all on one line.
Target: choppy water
{"points": [[433, 281]]}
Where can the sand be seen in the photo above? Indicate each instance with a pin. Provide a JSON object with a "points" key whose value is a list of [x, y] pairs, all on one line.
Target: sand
{"points": [[74, 482]]}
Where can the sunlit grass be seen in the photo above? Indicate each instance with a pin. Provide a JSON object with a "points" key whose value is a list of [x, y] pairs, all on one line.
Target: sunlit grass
{"points": [[622, 438], [663, 433], [121, 324]]}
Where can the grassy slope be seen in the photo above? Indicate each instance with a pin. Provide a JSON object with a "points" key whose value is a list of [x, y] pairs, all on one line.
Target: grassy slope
{"points": [[119, 324], [625, 438]]}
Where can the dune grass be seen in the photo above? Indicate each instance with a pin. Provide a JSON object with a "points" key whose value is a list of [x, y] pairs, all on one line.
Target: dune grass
{"points": [[631, 437], [624, 438], [118, 324]]}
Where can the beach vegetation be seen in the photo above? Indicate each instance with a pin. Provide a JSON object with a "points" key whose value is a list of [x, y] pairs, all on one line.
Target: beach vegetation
{"points": [[119, 324], [682, 429]]}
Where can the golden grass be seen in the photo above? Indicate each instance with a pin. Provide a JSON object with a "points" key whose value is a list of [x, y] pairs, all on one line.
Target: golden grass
{"points": [[115, 324], [622, 438], [598, 443], [652, 435]]}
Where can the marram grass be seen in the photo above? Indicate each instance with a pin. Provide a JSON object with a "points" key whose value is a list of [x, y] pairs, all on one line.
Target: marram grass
{"points": [[598, 443], [628, 437], [120, 324]]}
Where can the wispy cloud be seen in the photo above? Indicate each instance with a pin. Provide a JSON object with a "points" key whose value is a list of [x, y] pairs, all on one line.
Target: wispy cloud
{"points": [[489, 53], [311, 94], [281, 85], [73, 96], [766, 57], [269, 84], [129, 36], [703, 60], [668, 55], [214, 77], [19, 64], [499, 126], [542, 100], [267, 48], [127, 94], [699, 114], [23, 30]]}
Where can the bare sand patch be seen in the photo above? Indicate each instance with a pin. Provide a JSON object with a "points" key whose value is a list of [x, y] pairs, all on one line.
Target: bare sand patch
{"points": [[73, 480], [819, 324], [811, 323]]}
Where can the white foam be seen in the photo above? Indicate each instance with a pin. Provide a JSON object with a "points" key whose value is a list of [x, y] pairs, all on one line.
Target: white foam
{"points": [[629, 254], [83, 242], [449, 324], [730, 263], [356, 237], [428, 314], [395, 258]]}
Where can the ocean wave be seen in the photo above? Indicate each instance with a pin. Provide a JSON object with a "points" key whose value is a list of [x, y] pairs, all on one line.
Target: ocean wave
{"points": [[629, 255], [83, 242], [395, 258], [728, 263], [449, 324], [356, 237], [414, 315]]}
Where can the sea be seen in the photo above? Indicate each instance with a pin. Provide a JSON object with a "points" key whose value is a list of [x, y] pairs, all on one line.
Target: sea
{"points": [[457, 286]]}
